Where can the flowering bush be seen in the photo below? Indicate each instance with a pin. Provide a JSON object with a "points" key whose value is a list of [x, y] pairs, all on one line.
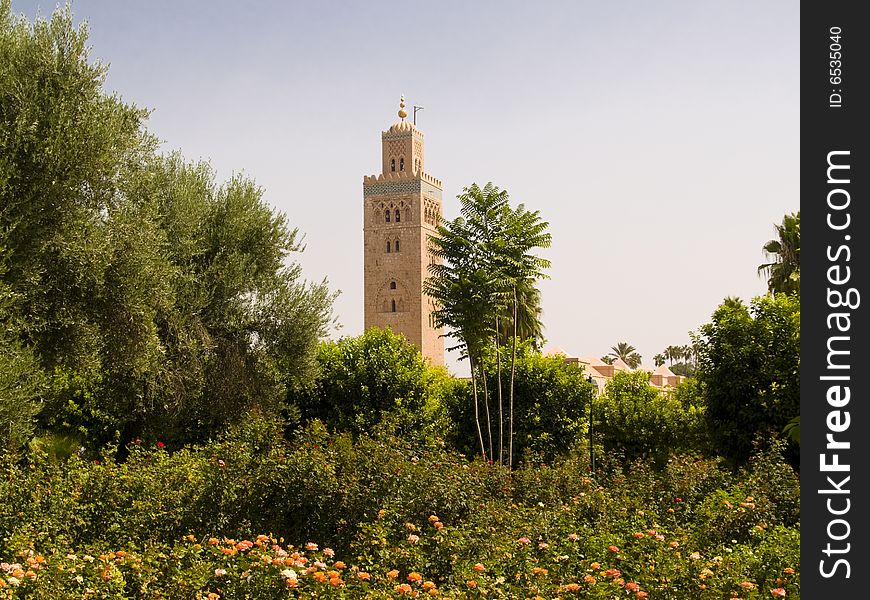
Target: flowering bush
{"points": [[380, 517]]}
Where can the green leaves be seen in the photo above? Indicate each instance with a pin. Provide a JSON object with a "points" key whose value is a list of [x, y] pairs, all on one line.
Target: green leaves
{"points": [[485, 291], [363, 378], [175, 293], [488, 256], [749, 362], [784, 271]]}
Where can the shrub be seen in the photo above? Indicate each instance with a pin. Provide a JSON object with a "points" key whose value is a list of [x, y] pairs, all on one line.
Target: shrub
{"points": [[550, 403], [637, 420], [363, 378], [749, 364]]}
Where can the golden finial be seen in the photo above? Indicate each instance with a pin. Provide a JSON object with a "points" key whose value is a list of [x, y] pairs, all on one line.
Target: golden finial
{"points": [[402, 113]]}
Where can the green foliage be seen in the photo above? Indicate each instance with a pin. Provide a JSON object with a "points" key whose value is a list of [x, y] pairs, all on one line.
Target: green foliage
{"points": [[625, 352], [363, 378], [153, 299], [168, 520], [551, 400], [749, 363], [67, 151], [21, 384], [784, 271], [485, 293], [636, 420]]}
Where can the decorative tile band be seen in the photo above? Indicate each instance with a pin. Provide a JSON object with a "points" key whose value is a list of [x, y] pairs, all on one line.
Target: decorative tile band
{"points": [[402, 135], [400, 187]]}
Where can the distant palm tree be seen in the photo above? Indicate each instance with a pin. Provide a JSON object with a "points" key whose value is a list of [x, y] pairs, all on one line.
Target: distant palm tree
{"points": [[626, 352], [687, 354], [783, 272], [673, 354], [529, 326], [659, 359]]}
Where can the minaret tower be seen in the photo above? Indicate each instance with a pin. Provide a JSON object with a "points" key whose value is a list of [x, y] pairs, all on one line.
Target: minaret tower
{"points": [[402, 208]]}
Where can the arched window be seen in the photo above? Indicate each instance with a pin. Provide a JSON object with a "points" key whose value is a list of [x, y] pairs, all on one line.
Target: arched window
{"points": [[388, 246], [393, 164], [392, 285], [401, 164], [398, 216], [397, 245], [387, 215], [394, 305]]}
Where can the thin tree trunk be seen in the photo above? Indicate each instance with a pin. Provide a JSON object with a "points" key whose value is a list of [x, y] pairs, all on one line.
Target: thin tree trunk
{"points": [[513, 373], [476, 412], [500, 402], [486, 405]]}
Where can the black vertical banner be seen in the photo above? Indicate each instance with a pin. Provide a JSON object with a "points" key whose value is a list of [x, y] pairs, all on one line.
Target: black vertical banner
{"points": [[835, 169]]}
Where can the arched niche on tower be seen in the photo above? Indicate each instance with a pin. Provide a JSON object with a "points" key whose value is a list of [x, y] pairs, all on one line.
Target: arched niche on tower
{"points": [[393, 296], [390, 212]]}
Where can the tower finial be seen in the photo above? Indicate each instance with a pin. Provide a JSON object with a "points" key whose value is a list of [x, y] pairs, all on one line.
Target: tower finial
{"points": [[402, 112]]}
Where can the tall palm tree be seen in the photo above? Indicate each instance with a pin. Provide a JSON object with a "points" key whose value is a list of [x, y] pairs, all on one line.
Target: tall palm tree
{"points": [[465, 287], [462, 292], [485, 290], [783, 271], [659, 359], [526, 231], [529, 326], [626, 352]]}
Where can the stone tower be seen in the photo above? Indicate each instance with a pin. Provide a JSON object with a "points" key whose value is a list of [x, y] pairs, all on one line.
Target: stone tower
{"points": [[402, 207]]}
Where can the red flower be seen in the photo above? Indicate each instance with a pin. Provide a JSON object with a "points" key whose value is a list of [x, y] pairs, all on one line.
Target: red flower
{"points": [[160, 444], [678, 499]]}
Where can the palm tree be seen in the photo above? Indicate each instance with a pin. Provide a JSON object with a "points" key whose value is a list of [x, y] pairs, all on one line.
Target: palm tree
{"points": [[659, 359], [687, 353], [627, 353], [462, 292], [783, 272], [526, 231], [529, 326], [485, 290], [672, 354], [465, 286]]}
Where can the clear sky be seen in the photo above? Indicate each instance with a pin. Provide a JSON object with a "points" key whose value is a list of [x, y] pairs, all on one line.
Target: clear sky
{"points": [[659, 139]]}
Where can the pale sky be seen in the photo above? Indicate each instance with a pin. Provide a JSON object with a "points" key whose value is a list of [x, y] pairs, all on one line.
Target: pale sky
{"points": [[659, 139]]}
